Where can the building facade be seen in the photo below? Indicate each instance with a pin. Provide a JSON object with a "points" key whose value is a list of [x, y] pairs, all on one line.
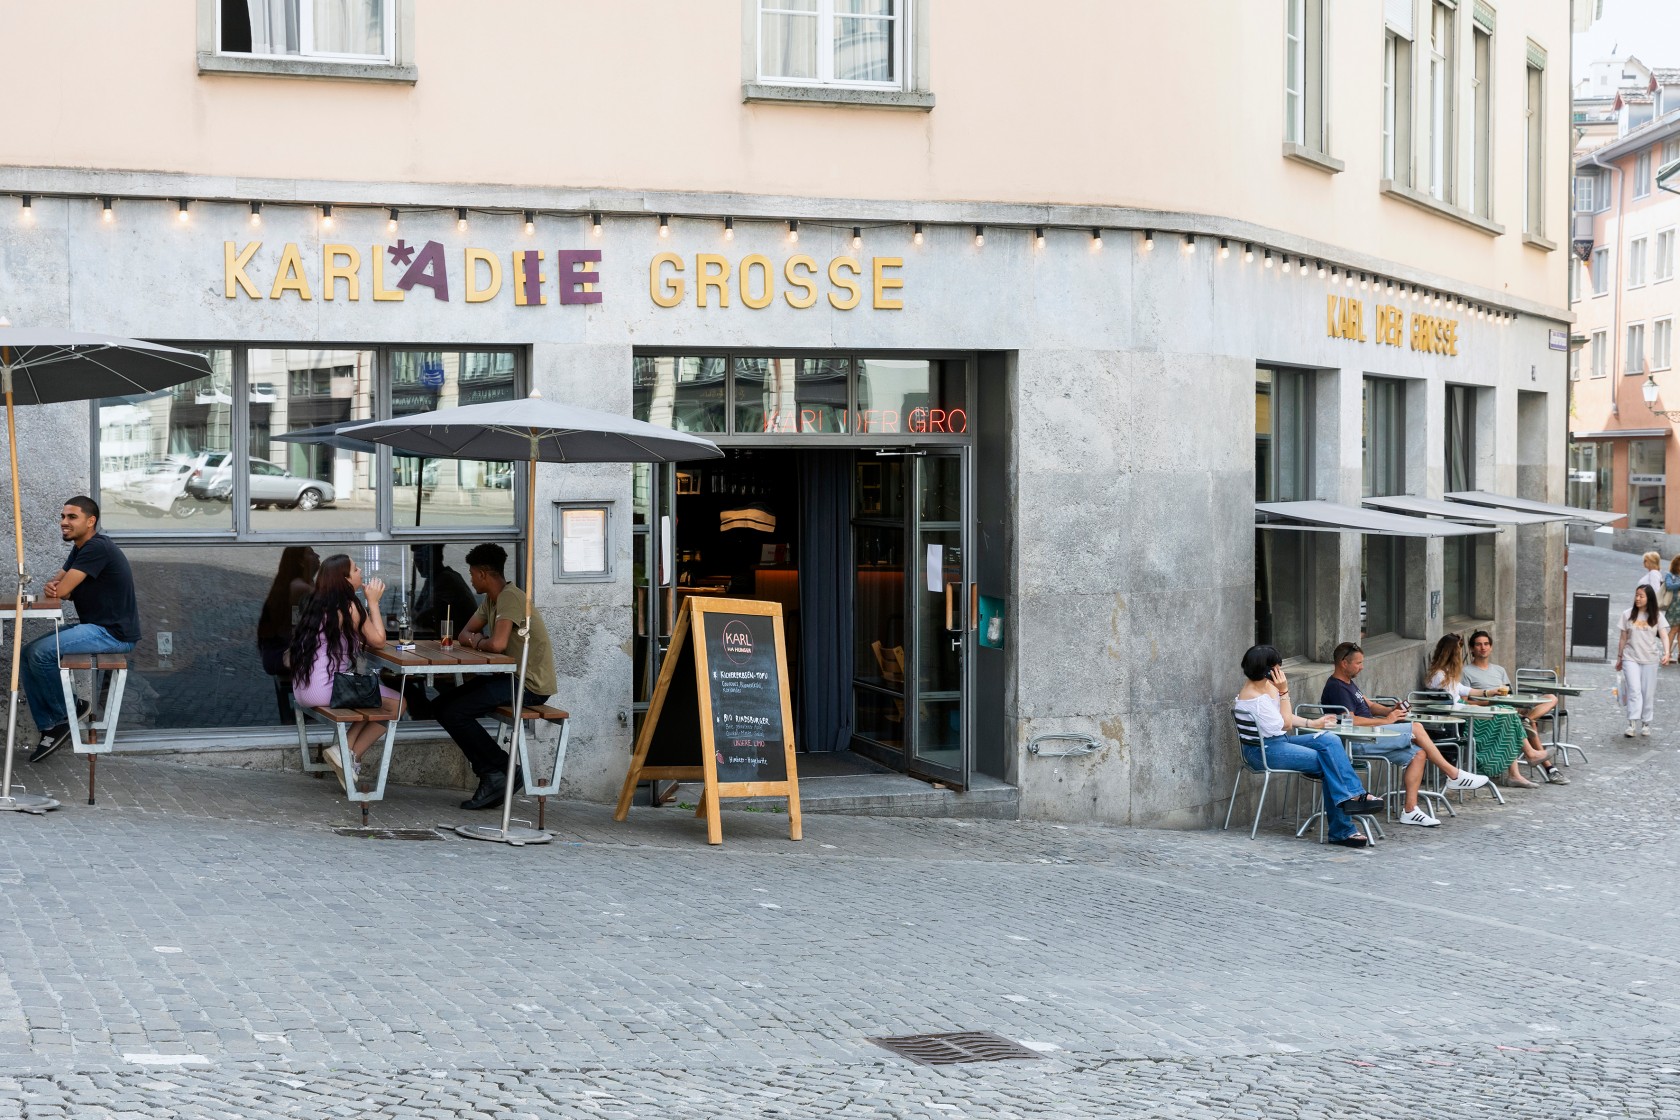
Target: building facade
{"points": [[999, 397]]}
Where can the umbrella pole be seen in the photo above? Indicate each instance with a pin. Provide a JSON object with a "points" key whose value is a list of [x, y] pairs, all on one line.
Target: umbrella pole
{"points": [[506, 834], [26, 802]]}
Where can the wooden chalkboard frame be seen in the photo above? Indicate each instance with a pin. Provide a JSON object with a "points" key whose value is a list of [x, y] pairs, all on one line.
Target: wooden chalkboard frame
{"points": [[689, 635]]}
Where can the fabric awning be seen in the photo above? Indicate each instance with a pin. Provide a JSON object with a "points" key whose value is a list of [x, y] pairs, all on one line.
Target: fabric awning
{"points": [[1625, 433], [1500, 501], [1459, 511], [1332, 517]]}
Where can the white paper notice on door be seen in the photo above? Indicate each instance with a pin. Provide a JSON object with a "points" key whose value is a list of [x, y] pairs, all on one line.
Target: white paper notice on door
{"points": [[936, 567], [583, 540]]}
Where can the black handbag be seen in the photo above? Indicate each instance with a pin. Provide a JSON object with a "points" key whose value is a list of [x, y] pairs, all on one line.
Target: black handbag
{"points": [[356, 690]]}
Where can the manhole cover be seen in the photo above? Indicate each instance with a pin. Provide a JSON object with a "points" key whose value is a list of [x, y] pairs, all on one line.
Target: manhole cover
{"points": [[390, 833], [956, 1048]]}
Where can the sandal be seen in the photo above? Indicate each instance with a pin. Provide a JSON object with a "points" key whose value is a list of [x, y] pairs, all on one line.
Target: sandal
{"points": [[1364, 804], [1357, 840]]}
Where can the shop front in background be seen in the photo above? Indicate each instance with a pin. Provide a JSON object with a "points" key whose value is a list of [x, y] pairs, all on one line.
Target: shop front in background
{"points": [[844, 498], [222, 556]]}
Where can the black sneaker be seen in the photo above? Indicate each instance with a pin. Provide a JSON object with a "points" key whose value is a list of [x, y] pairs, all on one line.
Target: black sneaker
{"points": [[50, 741], [491, 787]]}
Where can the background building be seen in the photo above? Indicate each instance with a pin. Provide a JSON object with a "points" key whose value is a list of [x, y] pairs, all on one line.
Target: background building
{"points": [[966, 348]]}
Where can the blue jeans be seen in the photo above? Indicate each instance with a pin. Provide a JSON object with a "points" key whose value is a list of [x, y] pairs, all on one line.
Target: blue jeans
{"points": [[41, 682], [1320, 754]]}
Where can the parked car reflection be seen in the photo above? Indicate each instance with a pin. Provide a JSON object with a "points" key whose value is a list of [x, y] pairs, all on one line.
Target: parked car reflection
{"points": [[161, 490], [270, 484]]}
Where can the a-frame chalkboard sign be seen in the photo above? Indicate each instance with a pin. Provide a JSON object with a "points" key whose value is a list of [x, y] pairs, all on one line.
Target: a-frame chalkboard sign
{"points": [[720, 712]]}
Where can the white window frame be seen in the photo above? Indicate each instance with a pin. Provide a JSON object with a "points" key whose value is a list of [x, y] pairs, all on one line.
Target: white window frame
{"points": [[1534, 149], [306, 39], [1662, 260], [1586, 191], [1662, 343], [1306, 108], [1642, 174], [1481, 127], [1397, 107], [1601, 270], [1600, 353], [1670, 151], [1633, 362], [1636, 263], [1442, 100], [825, 17]]}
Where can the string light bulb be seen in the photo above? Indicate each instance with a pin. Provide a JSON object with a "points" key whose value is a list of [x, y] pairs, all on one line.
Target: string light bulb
{"points": [[1149, 241], [182, 212], [1248, 253], [1286, 264], [1038, 237], [857, 237], [391, 220], [793, 231], [1321, 270], [916, 234], [326, 216], [256, 214], [460, 219], [105, 210], [1268, 258], [979, 236], [1224, 249], [1189, 244], [1096, 238], [530, 222], [28, 212], [595, 223], [729, 229], [664, 225]]}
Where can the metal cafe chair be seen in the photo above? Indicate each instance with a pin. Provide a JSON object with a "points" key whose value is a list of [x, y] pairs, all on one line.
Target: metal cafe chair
{"points": [[1248, 735], [1536, 680]]}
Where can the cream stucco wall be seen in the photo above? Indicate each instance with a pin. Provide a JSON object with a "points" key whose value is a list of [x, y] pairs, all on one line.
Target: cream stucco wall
{"points": [[1175, 107]]}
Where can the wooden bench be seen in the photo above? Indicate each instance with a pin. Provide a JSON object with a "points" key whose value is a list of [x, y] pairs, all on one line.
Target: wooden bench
{"points": [[533, 714], [341, 720], [102, 723]]}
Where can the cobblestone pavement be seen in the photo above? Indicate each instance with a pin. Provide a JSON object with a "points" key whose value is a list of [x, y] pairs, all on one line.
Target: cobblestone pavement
{"points": [[201, 944]]}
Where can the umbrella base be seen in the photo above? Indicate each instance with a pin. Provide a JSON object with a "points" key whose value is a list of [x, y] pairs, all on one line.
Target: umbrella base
{"points": [[518, 837], [26, 803]]}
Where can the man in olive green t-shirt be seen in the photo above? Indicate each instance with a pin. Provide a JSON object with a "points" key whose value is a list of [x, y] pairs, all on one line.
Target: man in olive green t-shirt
{"points": [[493, 628]]}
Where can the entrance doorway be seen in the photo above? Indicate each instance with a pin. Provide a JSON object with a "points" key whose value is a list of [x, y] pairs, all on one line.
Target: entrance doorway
{"points": [[866, 550]]}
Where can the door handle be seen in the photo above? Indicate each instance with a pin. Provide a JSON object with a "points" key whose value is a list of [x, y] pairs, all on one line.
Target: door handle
{"points": [[950, 601]]}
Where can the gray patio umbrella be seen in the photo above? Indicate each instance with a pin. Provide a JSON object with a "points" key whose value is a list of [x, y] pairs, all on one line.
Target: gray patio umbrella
{"points": [[49, 366], [535, 430]]}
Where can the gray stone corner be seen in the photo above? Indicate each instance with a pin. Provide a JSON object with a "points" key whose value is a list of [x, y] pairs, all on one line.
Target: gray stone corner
{"points": [[915, 100]]}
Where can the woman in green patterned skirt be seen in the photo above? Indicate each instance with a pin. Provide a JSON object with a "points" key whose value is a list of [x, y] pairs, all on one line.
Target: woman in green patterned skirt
{"points": [[1500, 740]]}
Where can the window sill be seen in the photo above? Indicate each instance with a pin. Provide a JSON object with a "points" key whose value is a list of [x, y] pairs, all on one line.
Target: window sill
{"points": [[1302, 154], [210, 62], [1538, 242], [1436, 206], [920, 101]]}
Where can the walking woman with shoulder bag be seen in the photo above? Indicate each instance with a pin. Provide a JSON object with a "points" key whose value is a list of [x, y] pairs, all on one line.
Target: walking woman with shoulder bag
{"points": [[332, 631], [1642, 646]]}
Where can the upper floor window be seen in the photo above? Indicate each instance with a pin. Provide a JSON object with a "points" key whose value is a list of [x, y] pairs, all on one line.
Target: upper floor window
{"points": [[334, 30], [1481, 122], [1442, 102], [1642, 174], [1601, 271], [1303, 74], [1662, 267], [1397, 105], [1585, 200], [1636, 263], [832, 42], [1534, 149]]}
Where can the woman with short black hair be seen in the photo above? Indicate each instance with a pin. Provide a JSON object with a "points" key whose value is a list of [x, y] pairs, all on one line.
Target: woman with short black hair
{"points": [[1314, 752]]}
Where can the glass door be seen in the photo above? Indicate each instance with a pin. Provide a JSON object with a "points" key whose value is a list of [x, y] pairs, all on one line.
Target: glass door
{"points": [[913, 612], [940, 610]]}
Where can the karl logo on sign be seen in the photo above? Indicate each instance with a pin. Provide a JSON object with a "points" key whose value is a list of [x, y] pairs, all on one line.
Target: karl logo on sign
{"points": [[737, 642]]}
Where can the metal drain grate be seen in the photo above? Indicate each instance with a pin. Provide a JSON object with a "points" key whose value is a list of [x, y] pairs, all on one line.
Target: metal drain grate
{"points": [[389, 833], [957, 1048]]}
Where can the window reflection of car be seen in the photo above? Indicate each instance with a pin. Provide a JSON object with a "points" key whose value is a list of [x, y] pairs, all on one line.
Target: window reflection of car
{"points": [[160, 490], [208, 475], [274, 485]]}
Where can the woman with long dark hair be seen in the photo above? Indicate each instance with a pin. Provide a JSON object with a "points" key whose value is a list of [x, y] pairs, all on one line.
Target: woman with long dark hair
{"points": [[1641, 647], [1294, 743], [332, 629], [1500, 739], [294, 580]]}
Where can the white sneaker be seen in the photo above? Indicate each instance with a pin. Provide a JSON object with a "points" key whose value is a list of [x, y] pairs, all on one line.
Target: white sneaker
{"points": [[1467, 780], [1419, 818], [1632, 729], [1645, 731]]}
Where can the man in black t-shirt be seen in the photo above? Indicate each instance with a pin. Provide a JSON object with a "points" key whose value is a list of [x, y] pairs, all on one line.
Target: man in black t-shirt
{"points": [[96, 578]]}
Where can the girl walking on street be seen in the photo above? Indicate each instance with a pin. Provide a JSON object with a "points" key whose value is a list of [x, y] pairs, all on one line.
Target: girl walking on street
{"points": [[1640, 648]]}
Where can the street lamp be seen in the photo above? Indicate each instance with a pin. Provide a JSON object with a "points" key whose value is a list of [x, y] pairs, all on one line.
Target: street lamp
{"points": [[1649, 392]]}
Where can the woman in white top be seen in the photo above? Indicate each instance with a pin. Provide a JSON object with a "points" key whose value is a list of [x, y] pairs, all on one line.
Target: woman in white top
{"points": [[1642, 646], [1312, 751], [1500, 741]]}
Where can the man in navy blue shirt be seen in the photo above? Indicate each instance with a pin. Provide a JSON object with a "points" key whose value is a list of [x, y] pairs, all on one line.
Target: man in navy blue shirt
{"points": [[96, 578], [1407, 746]]}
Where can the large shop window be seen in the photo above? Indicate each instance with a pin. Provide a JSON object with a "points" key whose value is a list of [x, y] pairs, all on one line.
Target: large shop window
{"points": [[1468, 561], [1591, 471], [751, 395], [208, 541], [1647, 484], [347, 30], [1383, 474], [1282, 473]]}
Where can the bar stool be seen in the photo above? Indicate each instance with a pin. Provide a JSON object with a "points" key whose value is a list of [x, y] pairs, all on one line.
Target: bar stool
{"points": [[102, 717], [532, 714]]}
